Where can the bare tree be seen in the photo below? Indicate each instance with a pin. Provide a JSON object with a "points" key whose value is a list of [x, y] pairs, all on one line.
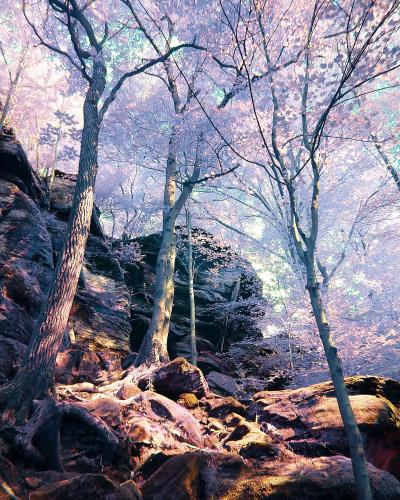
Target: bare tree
{"points": [[363, 41], [154, 346]]}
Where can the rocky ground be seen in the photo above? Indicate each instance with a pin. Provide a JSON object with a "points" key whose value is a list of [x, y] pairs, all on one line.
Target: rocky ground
{"points": [[161, 433]]}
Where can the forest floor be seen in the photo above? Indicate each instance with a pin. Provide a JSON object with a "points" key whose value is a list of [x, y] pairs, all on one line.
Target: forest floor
{"points": [[159, 433]]}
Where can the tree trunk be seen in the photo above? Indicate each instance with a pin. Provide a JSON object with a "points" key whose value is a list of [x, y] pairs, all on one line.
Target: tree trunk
{"points": [[228, 321], [356, 447], [306, 247], [11, 90], [192, 302], [50, 175], [6, 107], [35, 377], [154, 346]]}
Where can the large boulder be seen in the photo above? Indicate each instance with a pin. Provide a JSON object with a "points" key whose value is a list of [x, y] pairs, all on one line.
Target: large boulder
{"points": [[155, 423], [309, 418], [226, 476], [320, 478], [175, 378], [158, 410]]}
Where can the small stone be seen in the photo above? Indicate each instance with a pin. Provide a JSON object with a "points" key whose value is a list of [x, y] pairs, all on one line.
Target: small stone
{"points": [[33, 482], [253, 445], [188, 400], [132, 491], [224, 406], [215, 425], [222, 384], [128, 390], [233, 419], [242, 429]]}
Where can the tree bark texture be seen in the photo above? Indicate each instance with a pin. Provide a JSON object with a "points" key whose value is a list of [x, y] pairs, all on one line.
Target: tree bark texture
{"points": [[35, 377]]}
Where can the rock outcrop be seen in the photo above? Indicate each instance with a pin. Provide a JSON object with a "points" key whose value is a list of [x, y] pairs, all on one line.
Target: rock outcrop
{"points": [[32, 229], [26, 257], [310, 422], [222, 318], [15, 169], [112, 306]]}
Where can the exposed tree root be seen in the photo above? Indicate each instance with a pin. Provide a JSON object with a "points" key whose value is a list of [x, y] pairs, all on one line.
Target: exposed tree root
{"points": [[102, 429], [38, 440]]}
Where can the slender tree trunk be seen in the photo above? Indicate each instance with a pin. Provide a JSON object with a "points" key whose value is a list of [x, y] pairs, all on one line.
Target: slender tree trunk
{"points": [[154, 346], [50, 178], [113, 225], [11, 89], [307, 255], [356, 446], [7, 104], [35, 378], [289, 334], [234, 297], [192, 302]]}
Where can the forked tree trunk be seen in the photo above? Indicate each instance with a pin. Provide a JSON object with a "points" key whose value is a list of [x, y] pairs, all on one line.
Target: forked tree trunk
{"points": [[35, 378], [153, 349], [356, 446], [192, 303]]}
